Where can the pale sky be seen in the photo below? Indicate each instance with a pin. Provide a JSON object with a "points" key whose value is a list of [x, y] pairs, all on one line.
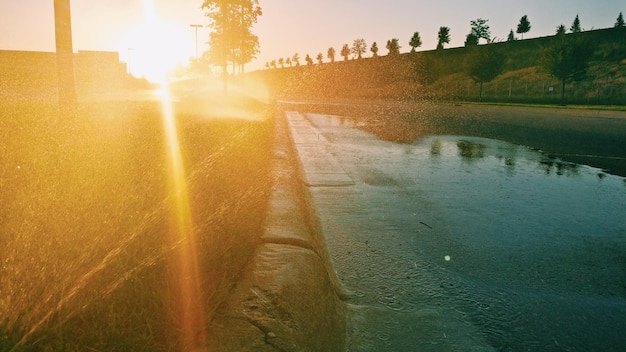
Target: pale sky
{"points": [[290, 26]]}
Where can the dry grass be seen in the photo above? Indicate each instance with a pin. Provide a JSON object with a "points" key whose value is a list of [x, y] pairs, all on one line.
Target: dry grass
{"points": [[84, 238]]}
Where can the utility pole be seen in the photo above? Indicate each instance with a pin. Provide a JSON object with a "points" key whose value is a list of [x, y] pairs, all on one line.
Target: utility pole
{"points": [[196, 26], [64, 52]]}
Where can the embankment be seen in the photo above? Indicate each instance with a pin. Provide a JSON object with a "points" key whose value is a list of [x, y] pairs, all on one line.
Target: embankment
{"points": [[592, 137]]}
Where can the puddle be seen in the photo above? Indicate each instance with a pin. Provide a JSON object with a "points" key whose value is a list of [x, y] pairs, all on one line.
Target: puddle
{"points": [[457, 243]]}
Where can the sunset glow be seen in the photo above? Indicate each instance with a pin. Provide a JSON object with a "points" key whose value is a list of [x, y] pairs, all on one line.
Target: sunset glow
{"points": [[155, 47]]}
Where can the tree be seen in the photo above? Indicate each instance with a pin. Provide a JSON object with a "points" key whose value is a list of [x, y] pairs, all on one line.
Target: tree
{"points": [[320, 58], [620, 21], [511, 36], [374, 49], [345, 52], [359, 47], [443, 37], [480, 29], [575, 28], [393, 46], [331, 54], [560, 29], [288, 61], [273, 63], [281, 62], [231, 39], [567, 59], [523, 26], [471, 40], [308, 60], [415, 41], [485, 63], [296, 59]]}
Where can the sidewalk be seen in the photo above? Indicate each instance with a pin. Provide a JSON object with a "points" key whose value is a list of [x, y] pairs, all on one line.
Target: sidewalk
{"points": [[289, 298]]}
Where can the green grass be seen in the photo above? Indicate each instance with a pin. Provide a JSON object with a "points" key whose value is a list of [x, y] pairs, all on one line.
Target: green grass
{"points": [[553, 106], [84, 238]]}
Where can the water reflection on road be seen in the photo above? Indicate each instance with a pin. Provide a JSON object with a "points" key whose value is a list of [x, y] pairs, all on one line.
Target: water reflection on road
{"points": [[461, 243]]}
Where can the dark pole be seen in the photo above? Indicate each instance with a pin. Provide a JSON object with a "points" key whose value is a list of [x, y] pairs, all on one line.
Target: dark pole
{"points": [[64, 52]]}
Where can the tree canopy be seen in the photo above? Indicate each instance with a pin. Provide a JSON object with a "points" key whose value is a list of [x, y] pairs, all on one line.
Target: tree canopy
{"points": [[374, 49], [575, 28], [359, 47], [480, 29], [485, 64], [471, 40], [393, 46], [331, 54], [345, 52], [231, 40], [620, 21], [567, 59], [523, 26], [511, 36], [415, 41], [443, 37]]}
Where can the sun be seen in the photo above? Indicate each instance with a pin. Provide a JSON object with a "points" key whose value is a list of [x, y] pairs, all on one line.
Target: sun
{"points": [[156, 47]]}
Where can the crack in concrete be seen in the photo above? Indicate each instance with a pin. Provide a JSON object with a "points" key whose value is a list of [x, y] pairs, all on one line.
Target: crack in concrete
{"points": [[291, 241]]}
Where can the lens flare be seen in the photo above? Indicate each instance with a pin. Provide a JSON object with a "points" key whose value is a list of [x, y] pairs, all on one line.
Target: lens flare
{"points": [[185, 280]]}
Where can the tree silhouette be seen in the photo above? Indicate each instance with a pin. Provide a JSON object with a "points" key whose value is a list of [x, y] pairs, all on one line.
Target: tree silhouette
{"points": [[620, 21], [443, 37], [575, 28], [273, 63], [331, 54], [359, 47], [560, 29], [485, 64], [523, 26], [393, 46], [374, 49], [281, 62], [288, 61], [231, 39], [320, 58], [567, 59], [308, 60], [511, 36], [296, 59], [415, 41], [480, 29], [345, 52], [471, 40]]}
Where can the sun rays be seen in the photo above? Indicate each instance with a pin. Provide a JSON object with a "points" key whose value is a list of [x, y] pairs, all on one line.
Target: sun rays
{"points": [[185, 280]]}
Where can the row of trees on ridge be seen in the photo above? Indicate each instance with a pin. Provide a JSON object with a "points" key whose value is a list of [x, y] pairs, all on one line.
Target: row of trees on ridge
{"points": [[479, 30], [564, 57]]}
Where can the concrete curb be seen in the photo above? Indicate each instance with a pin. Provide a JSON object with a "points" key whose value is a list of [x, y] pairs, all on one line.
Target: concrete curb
{"points": [[289, 298]]}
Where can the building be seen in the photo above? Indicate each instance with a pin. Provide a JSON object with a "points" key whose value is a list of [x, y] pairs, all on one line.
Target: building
{"points": [[32, 75]]}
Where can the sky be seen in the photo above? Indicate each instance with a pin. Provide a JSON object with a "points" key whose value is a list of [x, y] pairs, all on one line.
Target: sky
{"points": [[286, 26]]}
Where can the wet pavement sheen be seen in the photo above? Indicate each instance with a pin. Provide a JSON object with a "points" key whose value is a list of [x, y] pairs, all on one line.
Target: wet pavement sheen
{"points": [[460, 243]]}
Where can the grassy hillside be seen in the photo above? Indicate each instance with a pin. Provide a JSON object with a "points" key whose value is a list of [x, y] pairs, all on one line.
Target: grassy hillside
{"points": [[443, 75], [90, 242]]}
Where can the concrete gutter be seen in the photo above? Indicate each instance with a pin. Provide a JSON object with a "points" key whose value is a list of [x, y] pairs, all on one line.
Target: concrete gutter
{"points": [[289, 298]]}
